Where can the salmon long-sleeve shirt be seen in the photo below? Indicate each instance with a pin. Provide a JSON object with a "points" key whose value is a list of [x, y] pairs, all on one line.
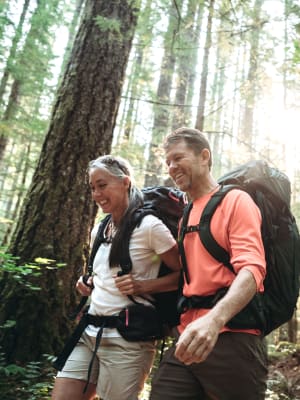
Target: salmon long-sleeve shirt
{"points": [[236, 226]]}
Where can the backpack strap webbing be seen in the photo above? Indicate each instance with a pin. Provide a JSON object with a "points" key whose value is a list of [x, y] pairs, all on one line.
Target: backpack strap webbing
{"points": [[97, 242], [182, 232], [206, 237], [99, 239]]}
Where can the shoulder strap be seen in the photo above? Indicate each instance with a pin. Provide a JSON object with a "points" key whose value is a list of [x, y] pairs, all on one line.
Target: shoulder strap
{"points": [[97, 242], [99, 239], [206, 237], [182, 232]]}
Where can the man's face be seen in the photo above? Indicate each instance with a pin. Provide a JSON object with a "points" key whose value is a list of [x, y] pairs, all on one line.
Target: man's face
{"points": [[185, 167]]}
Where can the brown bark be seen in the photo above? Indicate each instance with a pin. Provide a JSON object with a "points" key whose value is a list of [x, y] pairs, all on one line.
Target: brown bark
{"points": [[203, 85], [58, 212]]}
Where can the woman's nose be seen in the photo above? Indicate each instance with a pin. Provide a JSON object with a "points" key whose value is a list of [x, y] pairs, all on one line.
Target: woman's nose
{"points": [[171, 166]]}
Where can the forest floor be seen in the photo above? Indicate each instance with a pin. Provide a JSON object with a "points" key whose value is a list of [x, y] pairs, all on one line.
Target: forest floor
{"points": [[284, 377]]}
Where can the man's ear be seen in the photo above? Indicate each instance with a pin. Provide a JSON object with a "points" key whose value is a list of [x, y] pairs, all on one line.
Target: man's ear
{"points": [[205, 155]]}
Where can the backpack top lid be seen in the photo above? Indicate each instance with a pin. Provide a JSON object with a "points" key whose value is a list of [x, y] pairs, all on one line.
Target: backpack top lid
{"points": [[166, 203], [164, 199], [258, 175]]}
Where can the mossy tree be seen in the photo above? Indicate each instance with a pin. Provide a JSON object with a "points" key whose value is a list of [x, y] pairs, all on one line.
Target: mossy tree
{"points": [[58, 212]]}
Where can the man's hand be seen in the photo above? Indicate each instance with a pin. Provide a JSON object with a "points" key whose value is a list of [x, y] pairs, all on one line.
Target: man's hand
{"points": [[197, 340]]}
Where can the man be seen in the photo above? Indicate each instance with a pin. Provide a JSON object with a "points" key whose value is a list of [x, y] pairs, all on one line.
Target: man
{"points": [[210, 360]]}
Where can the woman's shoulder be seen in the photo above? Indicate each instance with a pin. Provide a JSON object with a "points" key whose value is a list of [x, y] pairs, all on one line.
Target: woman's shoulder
{"points": [[150, 220], [154, 225]]}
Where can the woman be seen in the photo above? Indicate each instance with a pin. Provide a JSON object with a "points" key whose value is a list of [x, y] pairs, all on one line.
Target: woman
{"points": [[121, 367]]}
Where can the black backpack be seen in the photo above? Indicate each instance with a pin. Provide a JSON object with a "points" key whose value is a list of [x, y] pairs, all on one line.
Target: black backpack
{"points": [[271, 191], [166, 203]]}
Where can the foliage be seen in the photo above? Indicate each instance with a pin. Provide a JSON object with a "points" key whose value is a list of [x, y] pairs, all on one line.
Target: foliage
{"points": [[108, 24], [282, 349], [9, 265], [284, 372], [32, 381], [18, 272]]}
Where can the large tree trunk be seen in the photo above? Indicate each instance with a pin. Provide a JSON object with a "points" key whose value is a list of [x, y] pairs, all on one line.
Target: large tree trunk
{"points": [[57, 215]]}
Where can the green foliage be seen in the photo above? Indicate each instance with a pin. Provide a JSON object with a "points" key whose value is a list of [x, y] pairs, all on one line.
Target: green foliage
{"points": [[134, 153], [296, 212], [18, 272], [9, 265], [296, 57], [33, 381], [110, 25], [282, 349]]}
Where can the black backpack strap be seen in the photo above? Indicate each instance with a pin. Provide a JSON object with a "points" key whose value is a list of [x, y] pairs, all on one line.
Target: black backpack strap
{"points": [[99, 239], [182, 232], [97, 242], [203, 228], [206, 237]]}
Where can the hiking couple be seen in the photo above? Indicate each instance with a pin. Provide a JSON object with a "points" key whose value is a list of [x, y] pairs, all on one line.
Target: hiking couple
{"points": [[208, 360]]}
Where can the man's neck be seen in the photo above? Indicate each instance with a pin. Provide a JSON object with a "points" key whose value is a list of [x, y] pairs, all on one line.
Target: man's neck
{"points": [[203, 189]]}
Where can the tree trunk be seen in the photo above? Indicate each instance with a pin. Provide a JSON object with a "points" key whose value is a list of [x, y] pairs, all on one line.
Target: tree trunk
{"points": [[204, 74], [13, 49], [29, 77], [246, 135], [57, 215], [162, 110], [186, 63]]}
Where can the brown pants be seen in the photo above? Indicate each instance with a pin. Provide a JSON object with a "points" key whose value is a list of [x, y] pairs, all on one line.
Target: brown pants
{"points": [[236, 369]]}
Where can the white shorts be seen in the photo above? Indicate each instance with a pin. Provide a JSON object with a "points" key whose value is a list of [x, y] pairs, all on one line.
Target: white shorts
{"points": [[120, 367]]}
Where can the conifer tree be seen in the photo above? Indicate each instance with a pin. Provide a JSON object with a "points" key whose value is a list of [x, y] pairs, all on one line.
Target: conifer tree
{"points": [[58, 212]]}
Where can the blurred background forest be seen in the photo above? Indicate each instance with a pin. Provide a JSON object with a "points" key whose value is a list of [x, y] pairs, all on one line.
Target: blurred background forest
{"points": [[82, 78]]}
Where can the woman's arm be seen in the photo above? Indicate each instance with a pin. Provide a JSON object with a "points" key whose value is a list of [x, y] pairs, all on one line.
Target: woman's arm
{"points": [[130, 286]]}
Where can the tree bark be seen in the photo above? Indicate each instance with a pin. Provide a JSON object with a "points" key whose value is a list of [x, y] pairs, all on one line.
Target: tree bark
{"points": [[203, 85], [162, 110], [58, 212]]}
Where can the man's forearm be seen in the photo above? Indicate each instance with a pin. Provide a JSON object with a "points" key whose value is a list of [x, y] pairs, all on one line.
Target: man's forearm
{"points": [[238, 296]]}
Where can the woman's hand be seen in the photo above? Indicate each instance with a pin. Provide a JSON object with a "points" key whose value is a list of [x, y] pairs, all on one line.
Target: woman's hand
{"points": [[128, 286], [85, 289]]}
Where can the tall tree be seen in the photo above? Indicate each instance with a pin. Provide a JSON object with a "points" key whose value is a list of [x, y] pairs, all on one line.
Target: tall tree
{"points": [[205, 62], [161, 108], [31, 66], [138, 68], [246, 134], [12, 54], [58, 212], [187, 56]]}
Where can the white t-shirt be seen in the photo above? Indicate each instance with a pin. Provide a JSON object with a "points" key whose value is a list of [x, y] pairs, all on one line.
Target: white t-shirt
{"points": [[148, 240]]}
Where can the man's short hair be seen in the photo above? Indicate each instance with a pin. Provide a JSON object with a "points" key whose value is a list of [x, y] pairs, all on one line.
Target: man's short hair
{"points": [[193, 138]]}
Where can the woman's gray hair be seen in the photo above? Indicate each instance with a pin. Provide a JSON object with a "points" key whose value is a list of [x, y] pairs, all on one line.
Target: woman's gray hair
{"points": [[115, 165]]}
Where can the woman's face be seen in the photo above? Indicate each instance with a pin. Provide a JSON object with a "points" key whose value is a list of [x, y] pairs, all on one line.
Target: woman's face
{"points": [[109, 192]]}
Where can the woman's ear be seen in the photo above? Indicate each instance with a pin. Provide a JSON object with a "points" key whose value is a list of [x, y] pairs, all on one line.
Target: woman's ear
{"points": [[127, 182]]}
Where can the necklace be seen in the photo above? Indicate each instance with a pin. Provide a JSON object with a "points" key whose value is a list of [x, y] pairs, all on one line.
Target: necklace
{"points": [[111, 230]]}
